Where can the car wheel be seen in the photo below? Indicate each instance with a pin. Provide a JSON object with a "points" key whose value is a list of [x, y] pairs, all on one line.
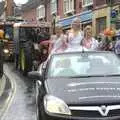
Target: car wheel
{"points": [[37, 113], [37, 103], [42, 112], [39, 110]]}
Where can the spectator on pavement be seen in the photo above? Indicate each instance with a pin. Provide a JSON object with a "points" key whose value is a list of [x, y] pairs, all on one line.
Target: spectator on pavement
{"points": [[89, 42], [117, 44]]}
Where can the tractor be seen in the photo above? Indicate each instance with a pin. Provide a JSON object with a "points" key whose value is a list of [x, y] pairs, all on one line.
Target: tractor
{"points": [[31, 45]]}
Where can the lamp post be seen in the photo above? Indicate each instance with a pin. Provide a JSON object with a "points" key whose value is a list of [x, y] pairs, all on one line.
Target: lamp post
{"points": [[113, 11], [109, 3]]}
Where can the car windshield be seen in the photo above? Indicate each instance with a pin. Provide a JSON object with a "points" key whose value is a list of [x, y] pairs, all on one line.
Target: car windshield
{"points": [[84, 64]]}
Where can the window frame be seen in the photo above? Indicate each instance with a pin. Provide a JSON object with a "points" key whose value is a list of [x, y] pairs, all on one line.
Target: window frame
{"points": [[99, 27], [68, 6], [41, 12], [88, 3], [53, 5]]}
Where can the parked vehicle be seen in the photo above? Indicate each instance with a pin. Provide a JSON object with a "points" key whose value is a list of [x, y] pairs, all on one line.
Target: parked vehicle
{"points": [[1, 56], [7, 27], [29, 48], [78, 86]]}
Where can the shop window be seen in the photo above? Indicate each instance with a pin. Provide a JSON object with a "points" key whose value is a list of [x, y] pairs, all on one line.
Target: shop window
{"points": [[100, 25]]}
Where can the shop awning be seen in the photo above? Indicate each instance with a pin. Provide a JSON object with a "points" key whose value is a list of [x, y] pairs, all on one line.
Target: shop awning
{"points": [[84, 17]]}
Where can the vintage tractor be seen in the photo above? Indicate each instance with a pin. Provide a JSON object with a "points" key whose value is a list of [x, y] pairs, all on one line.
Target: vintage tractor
{"points": [[30, 50]]}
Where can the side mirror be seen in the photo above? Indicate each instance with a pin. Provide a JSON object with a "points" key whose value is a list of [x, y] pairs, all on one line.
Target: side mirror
{"points": [[41, 68], [34, 75]]}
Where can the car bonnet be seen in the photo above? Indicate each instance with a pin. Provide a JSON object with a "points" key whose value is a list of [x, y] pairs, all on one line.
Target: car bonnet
{"points": [[85, 91]]}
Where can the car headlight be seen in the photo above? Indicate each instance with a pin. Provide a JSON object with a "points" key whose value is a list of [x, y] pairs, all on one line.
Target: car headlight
{"points": [[6, 51], [55, 105]]}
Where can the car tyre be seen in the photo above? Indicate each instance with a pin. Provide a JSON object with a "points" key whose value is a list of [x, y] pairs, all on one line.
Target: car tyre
{"points": [[39, 106], [37, 103]]}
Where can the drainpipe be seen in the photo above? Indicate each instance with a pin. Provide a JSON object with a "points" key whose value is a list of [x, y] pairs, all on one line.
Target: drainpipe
{"points": [[109, 3]]}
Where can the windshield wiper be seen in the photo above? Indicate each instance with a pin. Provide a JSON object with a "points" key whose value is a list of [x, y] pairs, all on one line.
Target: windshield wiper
{"points": [[87, 76], [114, 75]]}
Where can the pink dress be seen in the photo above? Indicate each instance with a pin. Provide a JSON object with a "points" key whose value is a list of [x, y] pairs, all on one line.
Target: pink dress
{"points": [[58, 44], [90, 44]]}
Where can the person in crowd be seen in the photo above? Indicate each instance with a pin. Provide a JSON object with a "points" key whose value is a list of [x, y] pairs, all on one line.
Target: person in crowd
{"points": [[75, 35], [58, 41], [117, 43], [89, 42], [107, 44]]}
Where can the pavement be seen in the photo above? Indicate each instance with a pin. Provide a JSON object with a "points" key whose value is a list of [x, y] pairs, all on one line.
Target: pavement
{"points": [[2, 84], [6, 90], [22, 103]]}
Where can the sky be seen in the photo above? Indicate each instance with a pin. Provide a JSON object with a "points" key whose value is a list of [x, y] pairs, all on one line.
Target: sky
{"points": [[20, 1]]}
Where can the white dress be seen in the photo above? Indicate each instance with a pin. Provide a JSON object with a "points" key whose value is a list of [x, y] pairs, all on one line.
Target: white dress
{"points": [[74, 42]]}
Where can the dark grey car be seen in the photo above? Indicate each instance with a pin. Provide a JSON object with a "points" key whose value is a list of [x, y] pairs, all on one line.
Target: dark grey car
{"points": [[79, 86]]}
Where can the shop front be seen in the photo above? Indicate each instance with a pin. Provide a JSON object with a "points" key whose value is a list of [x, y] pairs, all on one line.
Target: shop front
{"points": [[85, 17]]}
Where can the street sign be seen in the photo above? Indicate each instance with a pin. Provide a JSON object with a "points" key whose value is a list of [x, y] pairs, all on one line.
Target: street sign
{"points": [[114, 13]]}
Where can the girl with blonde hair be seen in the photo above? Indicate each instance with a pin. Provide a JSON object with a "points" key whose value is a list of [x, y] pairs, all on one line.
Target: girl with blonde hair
{"points": [[89, 42], [75, 35], [58, 41]]}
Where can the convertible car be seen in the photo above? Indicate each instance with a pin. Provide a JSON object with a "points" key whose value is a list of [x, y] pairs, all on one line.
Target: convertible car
{"points": [[78, 86]]}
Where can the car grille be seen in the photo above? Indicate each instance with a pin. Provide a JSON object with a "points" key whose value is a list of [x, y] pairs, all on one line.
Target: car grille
{"points": [[113, 113], [81, 113], [95, 112]]}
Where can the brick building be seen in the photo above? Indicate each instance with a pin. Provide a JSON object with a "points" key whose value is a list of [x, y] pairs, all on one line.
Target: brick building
{"points": [[60, 11], [64, 11], [43, 11], [94, 12], [102, 13], [29, 10]]}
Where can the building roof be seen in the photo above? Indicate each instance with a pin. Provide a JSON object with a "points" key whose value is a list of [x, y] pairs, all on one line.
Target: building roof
{"points": [[31, 4]]}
